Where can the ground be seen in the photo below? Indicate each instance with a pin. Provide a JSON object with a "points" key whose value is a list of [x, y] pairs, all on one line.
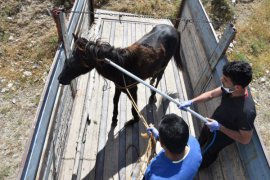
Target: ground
{"points": [[28, 41]]}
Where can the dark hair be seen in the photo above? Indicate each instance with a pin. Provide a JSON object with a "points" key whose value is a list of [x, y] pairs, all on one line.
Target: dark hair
{"points": [[173, 133], [239, 72]]}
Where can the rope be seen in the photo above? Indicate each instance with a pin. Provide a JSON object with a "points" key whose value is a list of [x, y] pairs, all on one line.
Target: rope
{"points": [[135, 105], [125, 87], [144, 160], [211, 143], [151, 142]]}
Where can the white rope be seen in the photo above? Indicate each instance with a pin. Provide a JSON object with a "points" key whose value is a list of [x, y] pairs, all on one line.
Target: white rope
{"points": [[154, 89]]}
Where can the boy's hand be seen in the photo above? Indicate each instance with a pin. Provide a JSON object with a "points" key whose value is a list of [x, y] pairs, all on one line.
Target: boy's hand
{"points": [[152, 130], [185, 104], [212, 124]]}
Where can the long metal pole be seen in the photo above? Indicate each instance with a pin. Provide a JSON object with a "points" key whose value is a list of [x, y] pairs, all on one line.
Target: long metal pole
{"points": [[155, 89]]}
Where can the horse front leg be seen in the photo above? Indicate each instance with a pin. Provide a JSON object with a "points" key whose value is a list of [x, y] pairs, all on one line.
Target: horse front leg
{"points": [[133, 93], [115, 106]]}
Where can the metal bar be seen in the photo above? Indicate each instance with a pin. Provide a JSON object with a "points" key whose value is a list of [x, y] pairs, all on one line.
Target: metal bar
{"points": [[154, 89], [66, 42], [34, 151], [65, 35], [91, 10]]}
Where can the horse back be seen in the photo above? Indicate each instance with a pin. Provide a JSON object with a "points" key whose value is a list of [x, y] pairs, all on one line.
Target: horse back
{"points": [[162, 35]]}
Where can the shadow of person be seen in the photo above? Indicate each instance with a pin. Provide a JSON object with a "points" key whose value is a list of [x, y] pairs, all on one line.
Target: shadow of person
{"points": [[125, 153]]}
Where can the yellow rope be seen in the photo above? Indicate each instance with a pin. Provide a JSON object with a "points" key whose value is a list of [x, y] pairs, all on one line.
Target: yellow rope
{"points": [[135, 106], [151, 142]]}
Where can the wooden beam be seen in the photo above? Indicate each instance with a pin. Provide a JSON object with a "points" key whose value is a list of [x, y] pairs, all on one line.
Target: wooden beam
{"points": [[218, 52]]}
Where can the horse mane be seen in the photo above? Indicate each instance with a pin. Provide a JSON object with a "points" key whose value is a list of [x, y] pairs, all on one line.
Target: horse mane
{"points": [[105, 50], [119, 55], [122, 55]]}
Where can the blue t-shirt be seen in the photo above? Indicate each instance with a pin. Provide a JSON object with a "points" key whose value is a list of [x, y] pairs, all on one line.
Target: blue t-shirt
{"points": [[163, 168]]}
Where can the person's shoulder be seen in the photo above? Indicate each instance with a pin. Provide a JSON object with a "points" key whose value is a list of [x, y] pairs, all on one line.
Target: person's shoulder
{"points": [[193, 160], [192, 141], [194, 146], [249, 106]]}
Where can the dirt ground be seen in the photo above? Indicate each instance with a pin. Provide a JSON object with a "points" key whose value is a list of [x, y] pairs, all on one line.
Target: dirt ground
{"points": [[25, 63]]}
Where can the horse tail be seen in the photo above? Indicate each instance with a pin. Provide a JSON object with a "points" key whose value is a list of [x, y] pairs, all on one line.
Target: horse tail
{"points": [[177, 57]]}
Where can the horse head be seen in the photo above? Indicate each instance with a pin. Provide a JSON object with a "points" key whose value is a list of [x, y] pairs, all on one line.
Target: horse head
{"points": [[81, 61]]}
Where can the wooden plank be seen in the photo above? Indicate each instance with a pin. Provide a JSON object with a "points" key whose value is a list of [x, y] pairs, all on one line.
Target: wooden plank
{"points": [[171, 88], [142, 103], [122, 117], [231, 164], [122, 137], [129, 144], [78, 167], [163, 88], [204, 29], [111, 147], [70, 150], [94, 111], [127, 17], [111, 151], [188, 36], [104, 116], [219, 51], [202, 60], [90, 151], [205, 174], [216, 170], [82, 132], [102, 136], [188, 53], [135, 128], [181, 89]]}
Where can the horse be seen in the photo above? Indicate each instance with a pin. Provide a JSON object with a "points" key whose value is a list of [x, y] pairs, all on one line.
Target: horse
{"points": [[146, 58]]}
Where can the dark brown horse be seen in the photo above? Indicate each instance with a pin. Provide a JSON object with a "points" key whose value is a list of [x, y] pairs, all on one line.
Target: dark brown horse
{"points": [[148, 57]]}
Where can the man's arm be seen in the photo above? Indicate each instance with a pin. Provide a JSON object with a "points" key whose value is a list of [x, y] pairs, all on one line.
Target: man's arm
{"points": [[207, 95], [241, 136]]}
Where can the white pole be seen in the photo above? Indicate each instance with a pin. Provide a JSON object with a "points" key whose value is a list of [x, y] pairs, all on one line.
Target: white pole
{"points": [[154, 89]]}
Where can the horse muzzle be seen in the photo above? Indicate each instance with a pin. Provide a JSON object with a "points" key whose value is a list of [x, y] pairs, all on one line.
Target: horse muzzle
{"points": [[63, 81]]}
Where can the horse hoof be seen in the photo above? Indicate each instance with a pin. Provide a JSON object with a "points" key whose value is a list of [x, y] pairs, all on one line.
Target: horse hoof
{"points": [[152, 100], [131, 122]]}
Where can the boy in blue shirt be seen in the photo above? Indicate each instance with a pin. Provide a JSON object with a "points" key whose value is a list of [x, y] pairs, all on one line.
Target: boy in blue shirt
{"points": [[180, 157]]}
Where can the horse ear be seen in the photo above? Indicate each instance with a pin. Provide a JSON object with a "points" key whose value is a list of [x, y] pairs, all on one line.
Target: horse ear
{"points": [[75, 36]]}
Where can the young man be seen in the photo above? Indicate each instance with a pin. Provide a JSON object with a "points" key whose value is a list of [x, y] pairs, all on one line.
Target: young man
{"points": [[234, 117], [181, 154]]}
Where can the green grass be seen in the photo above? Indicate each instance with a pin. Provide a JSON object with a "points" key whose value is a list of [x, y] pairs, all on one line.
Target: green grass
{"points": [[253, 40]]}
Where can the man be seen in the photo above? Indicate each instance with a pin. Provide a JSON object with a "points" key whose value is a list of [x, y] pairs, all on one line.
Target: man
{"points": [[234, 117], [181, 154]]}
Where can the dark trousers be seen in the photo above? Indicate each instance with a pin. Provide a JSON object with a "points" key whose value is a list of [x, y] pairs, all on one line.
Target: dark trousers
{"points": [[210, 152]]}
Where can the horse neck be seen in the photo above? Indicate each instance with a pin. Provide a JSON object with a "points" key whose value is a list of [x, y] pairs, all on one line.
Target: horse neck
{"points": [[116, 55], [113, 54]]}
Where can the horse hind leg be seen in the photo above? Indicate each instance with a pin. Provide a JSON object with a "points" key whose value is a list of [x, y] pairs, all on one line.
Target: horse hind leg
{"points": [[152, 98], [115, 107], [133, 93]]}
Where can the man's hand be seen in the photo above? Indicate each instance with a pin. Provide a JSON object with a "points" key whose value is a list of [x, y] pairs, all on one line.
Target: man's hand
{"points": [[185, 104], [213, 125], [152, 130]]}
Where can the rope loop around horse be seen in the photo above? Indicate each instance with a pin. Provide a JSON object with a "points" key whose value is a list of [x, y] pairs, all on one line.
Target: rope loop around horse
{"points": [[135, 105]]}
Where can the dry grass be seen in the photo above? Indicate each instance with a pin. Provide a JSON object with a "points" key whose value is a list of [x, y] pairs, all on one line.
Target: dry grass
{"points": [[253, 40], [160, 8]]}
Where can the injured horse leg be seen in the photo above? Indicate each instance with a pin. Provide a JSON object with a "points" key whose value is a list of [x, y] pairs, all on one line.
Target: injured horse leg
{"points": [[133, 93], [115, 107]]}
